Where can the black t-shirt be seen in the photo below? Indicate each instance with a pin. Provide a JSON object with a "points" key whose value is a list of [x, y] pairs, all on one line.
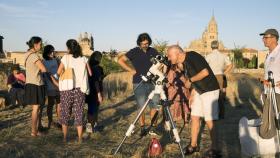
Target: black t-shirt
{"points": [[141, 61], [97, 76], [193, 64]]}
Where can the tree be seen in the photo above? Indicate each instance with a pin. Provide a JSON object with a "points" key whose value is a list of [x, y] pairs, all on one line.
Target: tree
{"points": [[254, 62], [109, 65], [246, 62], [261, 65], [238, 57], [44, 43], [160, 46]]}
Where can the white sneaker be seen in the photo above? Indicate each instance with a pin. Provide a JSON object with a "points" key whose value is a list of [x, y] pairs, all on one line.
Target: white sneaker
{"points": [[88, 128]]}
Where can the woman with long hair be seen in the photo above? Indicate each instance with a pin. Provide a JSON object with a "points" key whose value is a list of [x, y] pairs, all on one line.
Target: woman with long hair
{"points": [[34, 88], [73, 99], [94, 98]]}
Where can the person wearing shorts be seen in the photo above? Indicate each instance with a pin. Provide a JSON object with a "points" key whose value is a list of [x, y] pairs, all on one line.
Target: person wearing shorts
{"points": [[205, 87], [140, 58], [34, 88], [221, 66]]}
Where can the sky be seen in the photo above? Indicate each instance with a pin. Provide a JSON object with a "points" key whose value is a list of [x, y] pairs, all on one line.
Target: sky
{"points": [[115, 24]]}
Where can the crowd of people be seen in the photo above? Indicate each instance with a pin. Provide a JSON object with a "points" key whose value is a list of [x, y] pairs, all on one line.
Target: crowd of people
{"points": [[196, 86], [41, 84]]}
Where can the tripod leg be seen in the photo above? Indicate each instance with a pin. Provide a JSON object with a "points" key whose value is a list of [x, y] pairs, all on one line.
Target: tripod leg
{"points": [[132, 126], [120, 145], [276, 111], [174, 130], [167, 123]]}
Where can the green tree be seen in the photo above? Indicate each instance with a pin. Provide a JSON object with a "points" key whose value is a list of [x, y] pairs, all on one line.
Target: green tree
{"points": [[238, 57], [246, 62], [44, 43], [253, 63], [109, 65], [160, 45], [261, 65]]}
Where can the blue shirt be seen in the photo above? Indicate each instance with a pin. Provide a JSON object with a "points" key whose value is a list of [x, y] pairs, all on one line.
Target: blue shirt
{"points": [[141, 61]]}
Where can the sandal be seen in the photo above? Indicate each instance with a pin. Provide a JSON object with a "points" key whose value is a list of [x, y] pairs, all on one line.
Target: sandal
{"points": [[213, 154], [36, 134], [190, 149], [39, 134], [33, 134]]}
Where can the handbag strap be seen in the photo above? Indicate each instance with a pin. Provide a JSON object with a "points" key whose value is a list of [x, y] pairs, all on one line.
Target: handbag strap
{"points": [[68, 62], [27, 58]]}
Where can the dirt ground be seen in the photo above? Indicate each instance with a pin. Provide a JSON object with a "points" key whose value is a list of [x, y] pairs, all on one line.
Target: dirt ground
{"points": [[116, 115]]}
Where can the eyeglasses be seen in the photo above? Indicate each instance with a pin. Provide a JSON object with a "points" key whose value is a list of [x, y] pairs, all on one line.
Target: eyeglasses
{"points": [[266, 37]]}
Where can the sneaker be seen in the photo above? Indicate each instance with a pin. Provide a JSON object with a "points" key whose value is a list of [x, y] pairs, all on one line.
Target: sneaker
{"points": [[21, 107], [143, 131], [154, 132], [88, 128]]}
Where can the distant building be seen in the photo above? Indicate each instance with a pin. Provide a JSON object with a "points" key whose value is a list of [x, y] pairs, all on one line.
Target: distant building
{"points": [[16, 57], [203, 45], [249, 53], [87, 44]]}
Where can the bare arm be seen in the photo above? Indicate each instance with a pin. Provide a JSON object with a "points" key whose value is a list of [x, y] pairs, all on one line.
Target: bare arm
{"points": [[228, 68], [89, 69], [54, 81], [60, 69], [99, 94], [122, 61], [199, 76], [41, 66]]}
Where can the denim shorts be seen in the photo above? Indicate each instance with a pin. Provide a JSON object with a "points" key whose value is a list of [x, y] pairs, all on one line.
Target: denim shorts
{"points": [[141, 95]]}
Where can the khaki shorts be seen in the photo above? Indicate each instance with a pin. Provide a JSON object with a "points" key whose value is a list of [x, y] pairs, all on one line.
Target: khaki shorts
{"points": [[206, 105], [220, 79]]}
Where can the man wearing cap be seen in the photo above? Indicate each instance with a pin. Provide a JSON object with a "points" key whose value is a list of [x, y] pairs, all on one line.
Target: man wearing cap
{"points": [[270, 39], [220, 65], [272, 62]]}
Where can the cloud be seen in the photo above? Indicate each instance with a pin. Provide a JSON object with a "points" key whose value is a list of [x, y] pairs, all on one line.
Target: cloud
{"points": [[21, 12]]}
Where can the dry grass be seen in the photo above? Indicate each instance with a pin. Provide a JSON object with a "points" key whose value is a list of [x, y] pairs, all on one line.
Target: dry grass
{"points": [[116, 84], [3, 80], [116, 113]]}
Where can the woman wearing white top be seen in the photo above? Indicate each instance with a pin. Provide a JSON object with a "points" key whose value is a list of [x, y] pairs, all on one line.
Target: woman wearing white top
{"points": [[73, 99]]}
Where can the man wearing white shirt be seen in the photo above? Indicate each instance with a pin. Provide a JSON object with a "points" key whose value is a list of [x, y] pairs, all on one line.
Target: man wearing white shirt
{"points": [[220, 65], [272, 62]]}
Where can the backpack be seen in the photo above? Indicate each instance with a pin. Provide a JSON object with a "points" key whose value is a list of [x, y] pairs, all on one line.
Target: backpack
{"points": [[155, 148]]}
